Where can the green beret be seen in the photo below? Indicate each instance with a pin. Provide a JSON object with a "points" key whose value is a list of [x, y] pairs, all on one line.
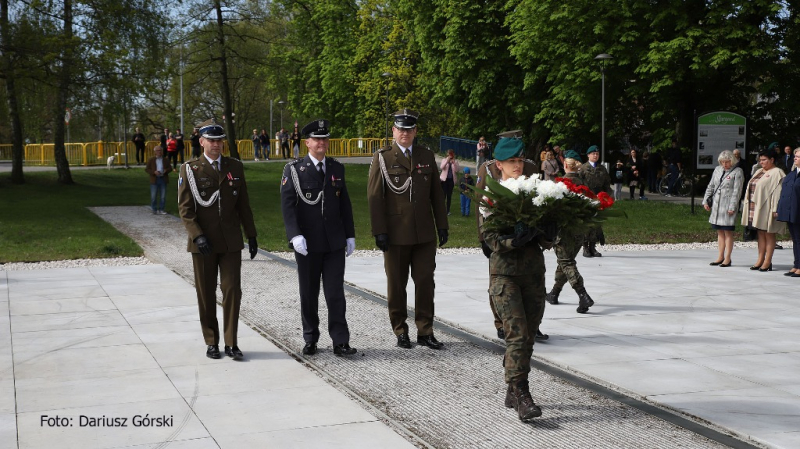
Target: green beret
{"points": [[592, 149], [572, 154], [772, 146], [507, 148]]}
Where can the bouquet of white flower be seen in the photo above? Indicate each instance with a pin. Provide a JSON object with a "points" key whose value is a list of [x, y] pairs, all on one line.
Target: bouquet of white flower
{"points": [[538, 204]]}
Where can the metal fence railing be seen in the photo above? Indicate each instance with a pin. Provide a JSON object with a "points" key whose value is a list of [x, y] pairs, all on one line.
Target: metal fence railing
{"points": [[97, 153]]}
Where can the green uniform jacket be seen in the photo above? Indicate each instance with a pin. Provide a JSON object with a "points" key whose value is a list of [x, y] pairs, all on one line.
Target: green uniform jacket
{"points": [[510, 261], [412, 217], [489, 168], [595, 178], [222, 221]]}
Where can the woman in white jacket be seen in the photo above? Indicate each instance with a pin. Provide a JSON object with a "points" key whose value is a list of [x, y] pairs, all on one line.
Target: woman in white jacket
{"points": [[722, 199], [760, 208]]}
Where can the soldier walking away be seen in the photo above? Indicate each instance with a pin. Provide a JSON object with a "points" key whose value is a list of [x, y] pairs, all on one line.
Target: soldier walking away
{"points": [[318, 218], [489, 169], [568, 246], [214, 207], [596, 177], [516, 286], [407, 213]]}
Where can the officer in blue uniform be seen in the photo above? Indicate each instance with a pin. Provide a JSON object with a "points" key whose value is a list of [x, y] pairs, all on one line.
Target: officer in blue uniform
{"points": [[318, 218]]}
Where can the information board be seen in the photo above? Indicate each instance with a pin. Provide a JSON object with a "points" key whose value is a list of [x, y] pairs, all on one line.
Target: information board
{"points": [[717, 132]]}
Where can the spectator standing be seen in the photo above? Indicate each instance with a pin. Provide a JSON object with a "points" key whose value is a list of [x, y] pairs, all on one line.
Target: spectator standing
{"points": [[787, 160], [138, 143], [655, 165], [214, 207], [635, 171], [481, 152], [549, 166], [172, 150], [159, 170], [789, 210], [197, 150], [283, 138], [318, 218], [163, 140], [674, 166], [761, 208], [466, 200], [407, 214], [180, 146], [722, 200], [449, 172], [265, 146], [617, 179], [295, 143], [256, 144]]}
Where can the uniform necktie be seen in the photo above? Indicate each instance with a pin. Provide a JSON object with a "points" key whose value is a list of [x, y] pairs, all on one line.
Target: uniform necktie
{"points": [[408, 154], [321, 171], [215, 164]]}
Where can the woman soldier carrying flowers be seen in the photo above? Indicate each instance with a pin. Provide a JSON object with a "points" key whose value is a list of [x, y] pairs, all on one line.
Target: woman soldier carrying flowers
{"points": [[516, 287], [568, 246]]}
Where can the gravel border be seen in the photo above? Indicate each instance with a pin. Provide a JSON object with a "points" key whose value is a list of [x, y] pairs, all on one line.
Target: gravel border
{"points": [[75, 263]]}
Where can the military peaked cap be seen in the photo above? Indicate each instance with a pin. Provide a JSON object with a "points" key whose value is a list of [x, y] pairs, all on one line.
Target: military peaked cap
{"points": [[405, 119], [318, 128]]}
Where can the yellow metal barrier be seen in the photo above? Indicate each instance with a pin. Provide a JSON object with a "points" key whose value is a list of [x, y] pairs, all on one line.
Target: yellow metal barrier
{"points": [[97, 153]]}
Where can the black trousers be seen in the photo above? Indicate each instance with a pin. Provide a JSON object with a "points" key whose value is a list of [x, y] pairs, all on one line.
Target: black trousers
{"points": [[173, 156], [330, 267], [140, 154], [641, 189], [447, 186]]}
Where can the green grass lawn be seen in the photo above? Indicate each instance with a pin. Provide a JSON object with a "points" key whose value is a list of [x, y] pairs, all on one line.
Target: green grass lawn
{"points": [[43, 220]]}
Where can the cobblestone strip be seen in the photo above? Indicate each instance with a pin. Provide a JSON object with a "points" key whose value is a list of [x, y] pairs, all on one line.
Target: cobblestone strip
{"points": [[450, 399]]}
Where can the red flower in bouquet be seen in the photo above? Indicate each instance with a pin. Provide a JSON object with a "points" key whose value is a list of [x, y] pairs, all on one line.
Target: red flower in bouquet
{"points": [[605, 200], [579, 189]]}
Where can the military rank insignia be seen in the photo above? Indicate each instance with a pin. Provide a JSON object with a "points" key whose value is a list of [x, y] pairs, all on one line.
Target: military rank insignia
{"points": [[283, 181]]}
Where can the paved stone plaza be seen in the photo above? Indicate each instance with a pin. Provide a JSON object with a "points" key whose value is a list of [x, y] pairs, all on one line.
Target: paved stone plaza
{"points": [[667, 329]]}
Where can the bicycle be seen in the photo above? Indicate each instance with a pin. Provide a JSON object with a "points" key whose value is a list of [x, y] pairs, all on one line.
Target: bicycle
{"points": [[684, 184]]}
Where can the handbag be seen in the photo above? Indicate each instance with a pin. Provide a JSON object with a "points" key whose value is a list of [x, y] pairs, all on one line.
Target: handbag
{"points": [[750, 234], [710, 200]]}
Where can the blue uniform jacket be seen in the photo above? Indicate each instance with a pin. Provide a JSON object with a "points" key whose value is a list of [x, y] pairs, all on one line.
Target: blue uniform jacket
{"points": [[789, 202]]}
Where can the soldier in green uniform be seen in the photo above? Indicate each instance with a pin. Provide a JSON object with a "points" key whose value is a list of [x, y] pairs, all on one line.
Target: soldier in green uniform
{"points": [[214, 207], [407, 213], [567, 247], [596, 177], [489, 169], [516, 286]]}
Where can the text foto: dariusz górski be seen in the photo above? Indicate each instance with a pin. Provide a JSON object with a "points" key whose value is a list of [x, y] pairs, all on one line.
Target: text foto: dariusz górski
{"points": [[106, 421]]}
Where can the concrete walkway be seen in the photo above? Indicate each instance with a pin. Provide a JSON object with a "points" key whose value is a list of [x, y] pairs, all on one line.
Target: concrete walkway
{"points": [[92, 356], [716, 343]]}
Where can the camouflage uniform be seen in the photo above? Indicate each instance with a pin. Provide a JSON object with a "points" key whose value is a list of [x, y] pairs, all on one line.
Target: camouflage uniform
{"points": [[598, 180], [516, 288], [566, 248]]}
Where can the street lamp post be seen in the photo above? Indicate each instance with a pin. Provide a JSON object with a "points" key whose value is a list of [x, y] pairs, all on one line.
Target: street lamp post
{"points": [[281, 103], [387, 75], [602, 57]]}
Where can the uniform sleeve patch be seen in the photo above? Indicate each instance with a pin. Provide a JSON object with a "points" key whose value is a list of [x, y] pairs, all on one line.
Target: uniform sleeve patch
{"points": [[283, 181]]}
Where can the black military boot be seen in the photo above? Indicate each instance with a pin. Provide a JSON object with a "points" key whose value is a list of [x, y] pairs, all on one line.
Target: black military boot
{"points": [[510, 396], [552, 297], [593, 249], [584, 301], [523, 402], [586, 251]]}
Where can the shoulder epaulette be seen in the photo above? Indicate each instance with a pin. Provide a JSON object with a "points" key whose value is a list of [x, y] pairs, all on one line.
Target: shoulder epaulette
{"points": [[330, 159], [384, 149]]}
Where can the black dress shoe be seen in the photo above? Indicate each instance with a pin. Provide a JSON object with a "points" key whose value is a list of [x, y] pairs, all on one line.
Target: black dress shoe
{"points": [[755, 267], [310, 349], [344, 349], [725, 265], [714, 264], [501, 334], [795, 275], [788, 273], [213, 352], [234, 352], [769, 268], [429, 341], [541, 336], [403, 341]]}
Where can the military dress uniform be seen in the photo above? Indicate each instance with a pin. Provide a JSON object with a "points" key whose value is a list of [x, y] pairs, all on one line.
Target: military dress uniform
{"points": [[407, 204], [598, 180], [213, 203], [316, 206], [489, 169]]}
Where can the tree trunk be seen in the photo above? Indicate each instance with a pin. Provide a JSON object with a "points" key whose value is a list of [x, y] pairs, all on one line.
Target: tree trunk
{"points": [[17, 152], [230, 130], [62, 164]]}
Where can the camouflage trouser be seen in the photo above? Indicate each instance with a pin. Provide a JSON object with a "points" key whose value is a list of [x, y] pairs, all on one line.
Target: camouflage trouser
{"points": [[593, 236], [519, 301], [567, 269]]}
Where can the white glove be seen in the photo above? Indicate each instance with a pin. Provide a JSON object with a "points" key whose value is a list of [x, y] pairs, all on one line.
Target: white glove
{"points": [[351, 246], [299, 244]]}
